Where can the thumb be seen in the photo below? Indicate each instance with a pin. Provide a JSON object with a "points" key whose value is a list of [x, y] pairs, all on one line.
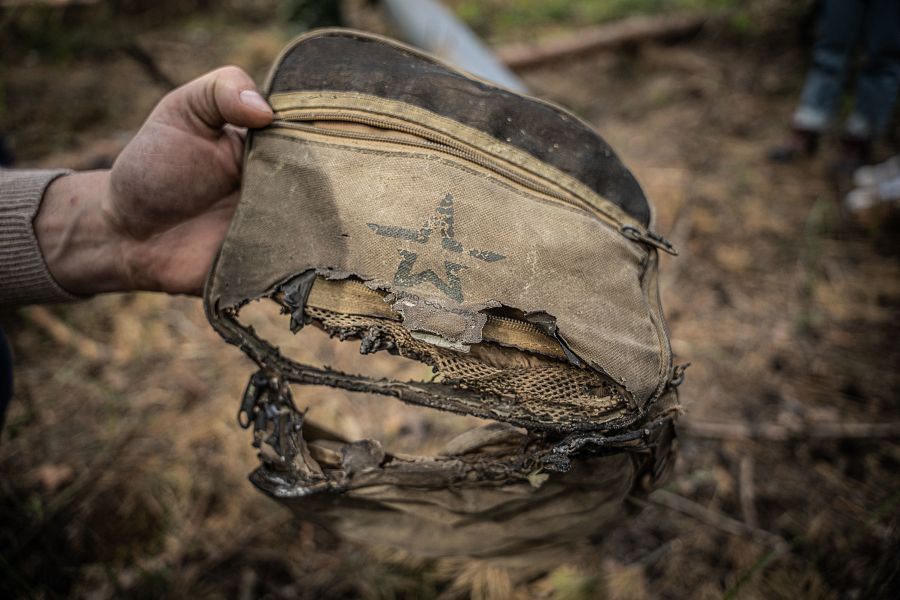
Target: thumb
{"points": [[206, 104]]}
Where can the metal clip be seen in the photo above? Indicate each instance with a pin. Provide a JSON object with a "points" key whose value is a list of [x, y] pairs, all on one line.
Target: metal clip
{"points": [[678, 375], [256, 387], [649, 238], [269, 408]]}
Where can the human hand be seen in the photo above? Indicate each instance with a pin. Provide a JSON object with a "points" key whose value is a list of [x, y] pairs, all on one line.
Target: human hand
{"points": [[155, 221]]}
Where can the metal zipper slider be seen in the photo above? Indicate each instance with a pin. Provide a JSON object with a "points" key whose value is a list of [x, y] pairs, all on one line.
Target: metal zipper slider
{"points": [[649, 238]]}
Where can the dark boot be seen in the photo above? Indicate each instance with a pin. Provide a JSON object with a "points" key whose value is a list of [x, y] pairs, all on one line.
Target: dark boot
{"points": [[802, 143]]}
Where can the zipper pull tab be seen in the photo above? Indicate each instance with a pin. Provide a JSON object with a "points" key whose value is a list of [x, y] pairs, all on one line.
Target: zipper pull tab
{"points": [[649, 238]]}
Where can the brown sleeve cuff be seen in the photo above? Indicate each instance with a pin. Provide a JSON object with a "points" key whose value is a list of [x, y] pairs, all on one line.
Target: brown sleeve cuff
{"points": [[24, 277]]}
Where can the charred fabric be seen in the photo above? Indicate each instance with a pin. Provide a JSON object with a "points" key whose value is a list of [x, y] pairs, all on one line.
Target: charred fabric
{"points": [[387, 207]]}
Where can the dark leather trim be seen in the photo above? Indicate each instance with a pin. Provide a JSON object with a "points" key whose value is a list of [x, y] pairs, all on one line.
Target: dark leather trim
{"points": [[349, 62]]}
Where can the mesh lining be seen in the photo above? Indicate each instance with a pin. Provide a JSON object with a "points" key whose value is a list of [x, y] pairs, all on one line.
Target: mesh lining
{"points": [[553, 390]]}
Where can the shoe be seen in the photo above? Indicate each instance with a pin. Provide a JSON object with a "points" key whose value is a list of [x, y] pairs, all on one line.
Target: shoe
{"points": [[885, 192], [861, 199], [801, 144], [872, 175]]}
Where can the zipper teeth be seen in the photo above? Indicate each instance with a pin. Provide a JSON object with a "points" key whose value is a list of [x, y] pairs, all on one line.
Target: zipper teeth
{"points": [[514, 323], [444, 144]]}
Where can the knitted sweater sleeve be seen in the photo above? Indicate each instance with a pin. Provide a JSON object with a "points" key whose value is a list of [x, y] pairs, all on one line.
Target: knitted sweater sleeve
{"points": [[24, 278]]}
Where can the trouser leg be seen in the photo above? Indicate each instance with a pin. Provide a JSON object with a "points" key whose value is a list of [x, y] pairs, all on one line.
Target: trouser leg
{"points": [[879, 77], [839, 30]]}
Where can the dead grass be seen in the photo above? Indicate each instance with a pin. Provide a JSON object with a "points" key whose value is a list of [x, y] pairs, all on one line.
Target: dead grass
{"points": [[123, 470]]}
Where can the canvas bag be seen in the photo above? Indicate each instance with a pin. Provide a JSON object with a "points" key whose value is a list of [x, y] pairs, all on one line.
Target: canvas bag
{"points": [[398, 202]]}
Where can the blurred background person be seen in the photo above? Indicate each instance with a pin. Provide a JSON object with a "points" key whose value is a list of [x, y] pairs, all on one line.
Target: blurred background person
{"points": [[844, 25]]}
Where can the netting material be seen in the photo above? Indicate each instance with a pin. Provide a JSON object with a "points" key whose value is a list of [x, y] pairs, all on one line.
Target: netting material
{"points": [[549, 388]]}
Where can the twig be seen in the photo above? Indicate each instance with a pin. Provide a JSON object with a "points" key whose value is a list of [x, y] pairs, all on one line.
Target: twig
{"points": [[680, 233], [604, 37], [149, 64], [53, 3], [756, 567], [716, 519], [746, 491], [783, 433], [652, 556], [63, 334]]}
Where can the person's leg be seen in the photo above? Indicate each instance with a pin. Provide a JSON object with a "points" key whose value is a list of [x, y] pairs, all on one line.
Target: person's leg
{"points": [[840, 27], [879, 78]]}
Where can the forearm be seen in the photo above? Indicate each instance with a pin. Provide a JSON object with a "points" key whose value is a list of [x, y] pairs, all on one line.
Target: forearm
{"points": [[80, 246]]}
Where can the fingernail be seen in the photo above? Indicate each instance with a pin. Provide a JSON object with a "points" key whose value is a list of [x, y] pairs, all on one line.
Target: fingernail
{"points": [[252, 99]]}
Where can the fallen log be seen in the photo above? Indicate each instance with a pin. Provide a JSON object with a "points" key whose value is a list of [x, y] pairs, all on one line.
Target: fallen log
{"points": [[632, 30], [52, 3], [65, 335]]}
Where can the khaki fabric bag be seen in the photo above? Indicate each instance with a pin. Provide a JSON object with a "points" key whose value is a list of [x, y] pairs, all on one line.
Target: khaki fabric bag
{"points": [[400, 203]]}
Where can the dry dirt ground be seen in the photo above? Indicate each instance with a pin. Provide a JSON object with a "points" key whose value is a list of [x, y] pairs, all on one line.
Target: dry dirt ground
{"points": [[123, 470]]}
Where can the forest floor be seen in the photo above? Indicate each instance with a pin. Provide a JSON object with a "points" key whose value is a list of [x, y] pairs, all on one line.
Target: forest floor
{"points": [[122, 466]]}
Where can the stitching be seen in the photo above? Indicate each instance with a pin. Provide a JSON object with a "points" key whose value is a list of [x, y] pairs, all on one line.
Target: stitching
{"points": [[388, 107], [451, 162]]}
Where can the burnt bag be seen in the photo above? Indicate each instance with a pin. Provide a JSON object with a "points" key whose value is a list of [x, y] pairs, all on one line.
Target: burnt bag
{"points": [[411, 208]]}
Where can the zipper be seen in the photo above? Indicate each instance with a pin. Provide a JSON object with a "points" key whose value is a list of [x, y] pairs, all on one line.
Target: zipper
{"points": [[510, 323], [650, 238], [455, 149], [432, 140]]}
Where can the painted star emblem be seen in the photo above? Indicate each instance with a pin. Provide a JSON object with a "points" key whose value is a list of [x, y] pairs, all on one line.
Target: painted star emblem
{"points": [[439, 226]]}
